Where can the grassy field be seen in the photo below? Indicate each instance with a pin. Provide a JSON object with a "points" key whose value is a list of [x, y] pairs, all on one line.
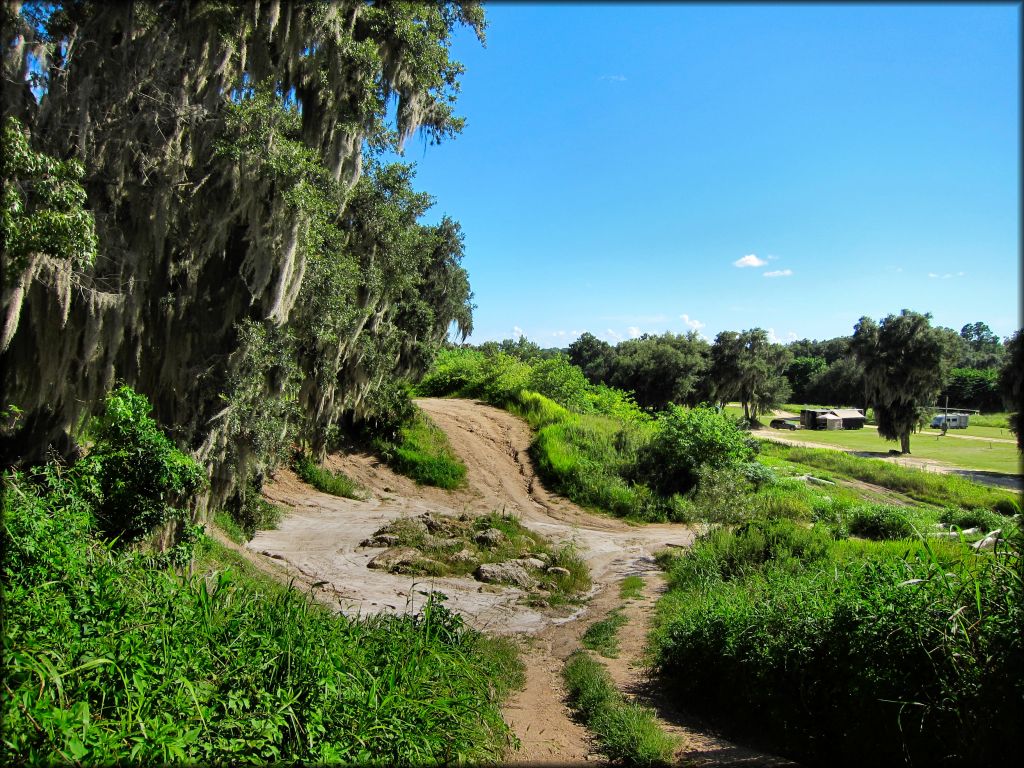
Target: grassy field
{"points": [[985, 455], [989, 456]]}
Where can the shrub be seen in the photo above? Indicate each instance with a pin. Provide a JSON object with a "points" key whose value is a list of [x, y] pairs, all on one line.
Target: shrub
{"points": [[880, 521], [134, 477], [687, 439], [563, 382]]}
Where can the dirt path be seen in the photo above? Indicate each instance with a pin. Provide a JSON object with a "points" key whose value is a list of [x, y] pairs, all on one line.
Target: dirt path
{"points": [[318, 543]]}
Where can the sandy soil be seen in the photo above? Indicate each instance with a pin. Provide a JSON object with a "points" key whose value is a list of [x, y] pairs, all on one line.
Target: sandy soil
{"points": [[317, 544]]}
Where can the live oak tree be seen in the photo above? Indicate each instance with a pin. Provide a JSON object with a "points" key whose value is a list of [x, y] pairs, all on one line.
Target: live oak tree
{"points": [[748, 367], [260, 274], [904, 360]]}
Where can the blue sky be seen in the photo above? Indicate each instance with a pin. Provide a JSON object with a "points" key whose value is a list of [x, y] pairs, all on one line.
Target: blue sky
{"points": [[622, 163]]}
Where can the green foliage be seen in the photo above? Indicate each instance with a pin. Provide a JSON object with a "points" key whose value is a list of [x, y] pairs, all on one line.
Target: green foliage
{"points": [[905, 361], [602, 636], [631, 588], [1011, 384], [134, 477], [881, 521], [748, 367], [625, 732], [561, 381], [849, 652], [972, 388], [326, 480], [107, 660], [43, 206], [422, 452], [685, 441], [929, 487]]}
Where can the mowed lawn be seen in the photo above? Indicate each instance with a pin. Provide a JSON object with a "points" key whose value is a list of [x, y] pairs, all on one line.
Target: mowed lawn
{"points": [[986, 455], [989, 455]]}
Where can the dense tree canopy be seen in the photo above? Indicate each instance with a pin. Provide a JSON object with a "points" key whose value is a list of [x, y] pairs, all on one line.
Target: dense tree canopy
{"points": [[904, 360], [250, 277]]}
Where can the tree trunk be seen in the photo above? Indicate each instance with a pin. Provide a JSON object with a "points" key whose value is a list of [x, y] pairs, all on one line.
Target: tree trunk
{"points": [[905, 442]]}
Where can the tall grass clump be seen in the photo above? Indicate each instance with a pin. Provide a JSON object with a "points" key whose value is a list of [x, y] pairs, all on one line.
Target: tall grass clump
{"points": [[850, 652], [422, 452], [108, 660], [626, 732], [326, 480]]}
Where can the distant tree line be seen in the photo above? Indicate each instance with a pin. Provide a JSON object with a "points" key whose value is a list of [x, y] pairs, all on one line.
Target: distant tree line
{"points": [[901, 367]]}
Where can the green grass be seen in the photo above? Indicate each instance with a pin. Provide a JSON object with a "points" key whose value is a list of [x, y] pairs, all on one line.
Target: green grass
{"points": [[448, 548], [602, 636], [631, 588], [625, 732], [819, 645], [983, 455], [226, 523], [993, 420], [423, 453], [108, 661], [928, 487], [323, 479]]}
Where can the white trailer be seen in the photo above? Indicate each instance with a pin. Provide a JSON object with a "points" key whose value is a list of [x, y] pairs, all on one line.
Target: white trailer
{"points": [[951, 420]]}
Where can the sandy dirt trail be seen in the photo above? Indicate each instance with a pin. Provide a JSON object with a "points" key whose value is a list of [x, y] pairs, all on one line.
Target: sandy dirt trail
{"points": [[317, 543]]}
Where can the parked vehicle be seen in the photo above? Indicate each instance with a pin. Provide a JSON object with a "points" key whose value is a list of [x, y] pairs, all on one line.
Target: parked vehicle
{"points": [[951, 420], [782, 424]]}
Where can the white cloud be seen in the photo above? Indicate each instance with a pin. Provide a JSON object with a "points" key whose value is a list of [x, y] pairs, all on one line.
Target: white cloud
{"points": [[946, 276], [633, 331], [612, 335], [750, 260], [517, 332], [691, 323], [779, 273], [774, 338]]}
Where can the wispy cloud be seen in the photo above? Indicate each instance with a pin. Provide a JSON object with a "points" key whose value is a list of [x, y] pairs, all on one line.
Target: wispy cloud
{"points": [[633, 331], [750, 260], [517, 332], [613, 78], [946, 276], [612, 335], [779, 273], [690, 322]]}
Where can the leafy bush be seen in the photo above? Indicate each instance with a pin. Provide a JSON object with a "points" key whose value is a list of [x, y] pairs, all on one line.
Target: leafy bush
{"points": [[687, 439], [134, 477], [974, 518]]}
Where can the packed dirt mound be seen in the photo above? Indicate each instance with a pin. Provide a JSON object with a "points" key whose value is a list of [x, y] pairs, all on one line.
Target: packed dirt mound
{"points": [[319, 539]]}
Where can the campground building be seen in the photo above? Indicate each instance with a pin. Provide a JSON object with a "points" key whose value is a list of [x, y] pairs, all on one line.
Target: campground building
{"points": [[832, 418]]}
